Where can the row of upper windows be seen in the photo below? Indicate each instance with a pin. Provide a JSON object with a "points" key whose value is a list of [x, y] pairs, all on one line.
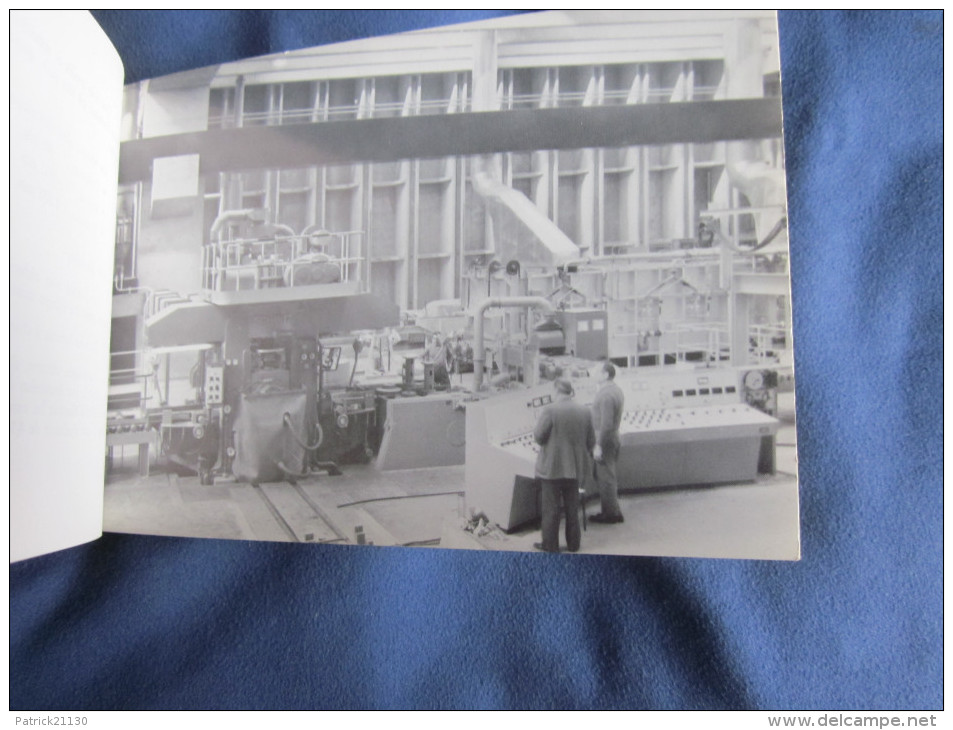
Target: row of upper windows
{"points": [[326, 100], [313, 101]]}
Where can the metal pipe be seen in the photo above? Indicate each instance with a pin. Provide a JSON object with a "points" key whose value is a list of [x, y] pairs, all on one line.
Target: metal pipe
{"points": [[479, 352], [434, 305], [231, 215], [282, 228], [533, 236]]}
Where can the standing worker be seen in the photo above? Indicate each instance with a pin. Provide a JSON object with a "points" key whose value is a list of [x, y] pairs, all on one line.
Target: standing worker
{"points": [[606, 417], [566, 437], [440, 356]]}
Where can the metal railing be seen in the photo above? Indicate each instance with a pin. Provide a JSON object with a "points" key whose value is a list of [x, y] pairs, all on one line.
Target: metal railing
{"points": [[505, 100], [283, 261], [712, 339], [767, 343], [341, 111], [129, 383]]}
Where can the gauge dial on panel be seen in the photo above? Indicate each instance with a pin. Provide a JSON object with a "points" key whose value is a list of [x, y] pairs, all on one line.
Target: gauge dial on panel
{"points": [[754, 380]]}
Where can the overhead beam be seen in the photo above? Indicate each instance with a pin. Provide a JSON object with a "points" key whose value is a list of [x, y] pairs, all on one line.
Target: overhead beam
{"points": [[444, 135]]}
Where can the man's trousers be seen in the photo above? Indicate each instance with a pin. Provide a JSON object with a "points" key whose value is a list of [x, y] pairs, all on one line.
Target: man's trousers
{"points": [[560, 497], [608, 480]]}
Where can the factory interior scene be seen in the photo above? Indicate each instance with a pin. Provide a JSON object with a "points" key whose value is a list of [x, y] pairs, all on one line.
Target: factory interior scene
{"points": [[347, 279]]}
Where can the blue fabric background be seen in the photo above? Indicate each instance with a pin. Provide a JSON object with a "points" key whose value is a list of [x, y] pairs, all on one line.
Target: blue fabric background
{"points": [[140, 622]]}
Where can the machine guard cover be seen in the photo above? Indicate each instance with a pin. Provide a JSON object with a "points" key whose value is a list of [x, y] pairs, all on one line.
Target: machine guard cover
{"points": [[263, 440]]}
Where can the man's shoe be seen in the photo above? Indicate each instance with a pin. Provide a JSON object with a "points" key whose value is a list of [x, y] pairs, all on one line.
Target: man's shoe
{"points": [[539, 546], [604, 519]]}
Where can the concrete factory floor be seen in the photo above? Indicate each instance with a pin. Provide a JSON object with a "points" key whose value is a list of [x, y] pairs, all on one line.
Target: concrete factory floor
{"points": [[427, 507]]}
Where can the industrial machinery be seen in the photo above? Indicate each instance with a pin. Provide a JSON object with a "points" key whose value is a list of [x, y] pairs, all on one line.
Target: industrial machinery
{"points": [[347, 413], [258, 387], [679, 428], [512, 264]]}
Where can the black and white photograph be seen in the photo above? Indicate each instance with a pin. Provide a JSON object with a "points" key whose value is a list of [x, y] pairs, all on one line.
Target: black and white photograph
{"points": [[520, 285]]}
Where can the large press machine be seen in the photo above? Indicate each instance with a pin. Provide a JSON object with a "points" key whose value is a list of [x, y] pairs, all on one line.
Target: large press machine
{"points": [[249, 379]]}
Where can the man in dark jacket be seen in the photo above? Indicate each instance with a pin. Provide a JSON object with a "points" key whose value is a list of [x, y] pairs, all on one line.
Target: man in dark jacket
{"points": [[566, 438], [606, 417]]}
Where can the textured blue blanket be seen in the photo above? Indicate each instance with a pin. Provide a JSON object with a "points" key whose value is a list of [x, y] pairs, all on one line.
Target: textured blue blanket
{"points": [[134, 622]]}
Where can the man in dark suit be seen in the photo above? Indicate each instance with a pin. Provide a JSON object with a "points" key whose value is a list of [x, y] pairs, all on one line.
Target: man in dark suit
{"points": [[606, 417], [566, 438]]}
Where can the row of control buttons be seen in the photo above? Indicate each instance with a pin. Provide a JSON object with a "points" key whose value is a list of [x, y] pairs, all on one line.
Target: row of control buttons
{"points": [[703, 391], [686, 417], [523, 442]]}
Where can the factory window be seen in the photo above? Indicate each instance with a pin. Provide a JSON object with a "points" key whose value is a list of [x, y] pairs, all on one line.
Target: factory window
{"points": [[525, 177], [293, 210], [339, 211], [257, 105], [295, 179], [665, 82], [383, 233], [663, 157], [344, 97], [294, 196], [572, 162], [576, 86], [341, 190], [614, 208], [526, 88], [221, 108], [618, 208], [431, 213], [705, 152], [707, 79], [386, 173], [435, 209], [389, 96], [521, 163], [660, 184], [341, 175], [617, 159], [667, 194], [572, 171], [619, 84], [297, 102], [254, 189], [428, 281], [569, 203], [438, 94], [434, 170]]}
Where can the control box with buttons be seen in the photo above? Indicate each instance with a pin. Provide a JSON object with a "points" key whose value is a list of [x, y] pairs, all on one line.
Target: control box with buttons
{"points": [[214, 384]]}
